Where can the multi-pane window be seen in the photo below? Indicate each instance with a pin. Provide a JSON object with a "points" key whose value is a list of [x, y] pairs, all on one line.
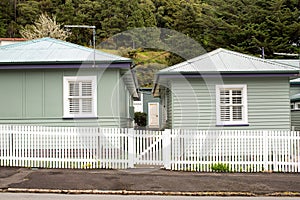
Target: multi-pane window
{"points": [[295, 106], [231, 104], [80, 97]]}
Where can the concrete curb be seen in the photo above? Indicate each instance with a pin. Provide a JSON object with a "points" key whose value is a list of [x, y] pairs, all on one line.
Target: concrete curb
{"points": [[125, 192]]}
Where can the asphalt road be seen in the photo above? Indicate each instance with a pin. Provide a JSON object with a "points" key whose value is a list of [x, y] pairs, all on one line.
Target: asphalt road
{"points": [[147, 182], [23, 196]]}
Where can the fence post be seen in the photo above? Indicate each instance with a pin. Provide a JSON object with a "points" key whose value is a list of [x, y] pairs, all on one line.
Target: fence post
{"points": [[265, 150], [167, 148], [131, 147]]}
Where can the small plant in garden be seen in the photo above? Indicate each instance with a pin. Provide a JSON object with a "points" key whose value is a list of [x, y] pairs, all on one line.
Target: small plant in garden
{"points": [[220, 167], [87, 166], [140, 119]]}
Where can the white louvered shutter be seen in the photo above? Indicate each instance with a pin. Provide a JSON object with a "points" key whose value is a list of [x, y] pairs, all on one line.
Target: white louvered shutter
{"points": [[80, 97], [231, 104]]}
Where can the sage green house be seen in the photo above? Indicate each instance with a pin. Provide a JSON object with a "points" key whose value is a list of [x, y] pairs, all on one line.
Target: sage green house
{"points": [[57, 83], [226, 90], [295, 103], [294, 93]]}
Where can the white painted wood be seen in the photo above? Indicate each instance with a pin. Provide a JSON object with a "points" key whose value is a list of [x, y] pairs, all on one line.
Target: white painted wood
{"points": [[153, 114], [188, 150], [242, 151], [67, 80]]}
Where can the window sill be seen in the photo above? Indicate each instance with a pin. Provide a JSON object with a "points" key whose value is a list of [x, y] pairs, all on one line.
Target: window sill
{"points": [[233, 125], [80, 118]]}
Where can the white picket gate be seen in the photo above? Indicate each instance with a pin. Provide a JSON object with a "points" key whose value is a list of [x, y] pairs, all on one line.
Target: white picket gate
{"points": [[188, 150], [148, 147]]}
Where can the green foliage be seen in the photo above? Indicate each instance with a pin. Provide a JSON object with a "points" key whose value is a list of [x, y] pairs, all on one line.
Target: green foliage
{"points": [[245, 26], [220, 167], [145, 73], [140, 119], [248, 25]]}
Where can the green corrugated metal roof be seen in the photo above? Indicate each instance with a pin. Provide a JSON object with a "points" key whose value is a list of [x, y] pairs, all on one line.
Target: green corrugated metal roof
{"points": [[49, 50], [225, 61]]}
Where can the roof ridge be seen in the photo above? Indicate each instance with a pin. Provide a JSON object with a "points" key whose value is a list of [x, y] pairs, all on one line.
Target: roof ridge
{"points": [[53, 50], [285, 66], [218, 57], [63, 43], [82, 47]]}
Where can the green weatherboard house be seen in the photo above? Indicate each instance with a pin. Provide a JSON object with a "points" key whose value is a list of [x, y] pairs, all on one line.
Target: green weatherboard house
{"points": [[56, 83], [226, 90], [294, 93]]}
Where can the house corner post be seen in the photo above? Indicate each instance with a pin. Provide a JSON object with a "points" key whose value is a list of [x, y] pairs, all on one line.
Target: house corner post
{"points": [[167, 148], [131, 147]]}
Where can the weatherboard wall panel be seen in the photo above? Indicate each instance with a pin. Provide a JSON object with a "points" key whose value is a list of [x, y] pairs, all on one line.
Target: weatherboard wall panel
{"points": [[194, 103], [295, 115], [295, 89], [36, 97], [169, 107], [53, 94], [11, 90]]}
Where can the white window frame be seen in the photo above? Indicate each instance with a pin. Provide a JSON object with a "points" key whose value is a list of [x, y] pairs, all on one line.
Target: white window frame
{"points": [[244, 120], [296, 106], [292, 106], [66, 80]]}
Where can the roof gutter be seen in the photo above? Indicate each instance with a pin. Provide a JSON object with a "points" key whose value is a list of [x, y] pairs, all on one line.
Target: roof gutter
{"points": [[65, 62], [229, 72]]}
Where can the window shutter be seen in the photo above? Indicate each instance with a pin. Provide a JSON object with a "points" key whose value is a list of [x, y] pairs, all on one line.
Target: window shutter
{"points": [[87, 88], [73, 88], [231, 104], [80, 96], [74, 106]]}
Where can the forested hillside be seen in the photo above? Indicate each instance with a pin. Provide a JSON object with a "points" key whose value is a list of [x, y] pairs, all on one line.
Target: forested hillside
{"points": [[241, 25]]}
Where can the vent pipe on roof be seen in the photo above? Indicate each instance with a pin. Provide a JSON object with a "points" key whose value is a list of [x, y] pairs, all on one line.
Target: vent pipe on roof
{"points": [[94, 37]]}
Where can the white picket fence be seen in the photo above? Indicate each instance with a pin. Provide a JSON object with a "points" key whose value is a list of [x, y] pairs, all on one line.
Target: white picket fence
{"points": [[237, 151], [63, 147], [114, 148]]}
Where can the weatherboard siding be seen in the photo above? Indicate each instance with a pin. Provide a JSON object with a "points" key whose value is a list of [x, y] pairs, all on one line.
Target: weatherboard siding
{"points": [[295, 115], [193, 105], [36, 97], [294, 89], [169, 120]]}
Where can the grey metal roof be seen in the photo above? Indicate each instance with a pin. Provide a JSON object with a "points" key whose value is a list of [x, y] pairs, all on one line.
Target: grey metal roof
{"points": [[225, 61], [295, 81], [49, 50], [291, 62]]}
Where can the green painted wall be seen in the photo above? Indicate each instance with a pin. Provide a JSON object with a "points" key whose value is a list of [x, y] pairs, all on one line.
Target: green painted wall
{"points": [[294, 89], [147, 98], [193, 103], [36, 97], [295, 115]]}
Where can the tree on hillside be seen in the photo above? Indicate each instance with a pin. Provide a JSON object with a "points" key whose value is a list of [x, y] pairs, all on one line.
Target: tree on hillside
{"points": [[44, 27], [119, 15], [248, 25], [7, 18]]}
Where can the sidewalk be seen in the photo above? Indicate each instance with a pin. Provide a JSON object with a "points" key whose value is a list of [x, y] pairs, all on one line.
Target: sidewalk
{"points": [[148, 181]]}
